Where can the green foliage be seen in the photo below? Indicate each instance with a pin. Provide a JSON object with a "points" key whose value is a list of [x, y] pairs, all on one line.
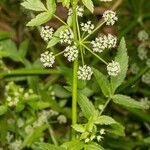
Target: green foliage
{"points": [[89, 5]]}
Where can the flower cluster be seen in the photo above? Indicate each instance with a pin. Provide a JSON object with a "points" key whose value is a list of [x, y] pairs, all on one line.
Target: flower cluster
{"points": [[15, 93], [47, 33], [87, 27], [113, 68], [110, 17], [146, 78], [79, 10], [66, 36], [142, 52], [84, 72], [71, 52], [143, 35], [104, 42], [48, 59]]}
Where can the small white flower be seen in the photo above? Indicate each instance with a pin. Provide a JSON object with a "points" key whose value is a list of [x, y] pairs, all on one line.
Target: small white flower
{"points": [[110, 17], [28, 129], [143, 35], [134, 68], [113, 68], [102, 131], [16, 145], [87, 140], [92, 137], [104, 42], [62, 119], [148, 62], [46, 33], [87, 27], [142, 52], [84, 72], [9, 137], [47, 58], [146, 102], [71, 52], [146, 78], [99, 137], [66, 36], [53, 113], [20, 122], [79, 10], [111, 41]]}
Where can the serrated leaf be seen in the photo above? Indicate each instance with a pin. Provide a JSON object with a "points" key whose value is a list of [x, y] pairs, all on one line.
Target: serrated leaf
{"points": [[127, 101], [86, 106], [89, 4], [51, 5], [55, 40], [40, 19], [47, 146], [105, 120], [122, 59], [35, 5], [73, 145], [103, 82], [79, 128]]}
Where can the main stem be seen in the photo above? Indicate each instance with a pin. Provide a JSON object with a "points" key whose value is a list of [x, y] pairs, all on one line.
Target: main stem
{"points": [[75, 79]]}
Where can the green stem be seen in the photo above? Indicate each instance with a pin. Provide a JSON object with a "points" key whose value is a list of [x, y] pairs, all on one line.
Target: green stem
{"points": [[75, 78], [26, 72], [51, 134], [95, 54], [59, 53], [60, 20], [105, 105]]}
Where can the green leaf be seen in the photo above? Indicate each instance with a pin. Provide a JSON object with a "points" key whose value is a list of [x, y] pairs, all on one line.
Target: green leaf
{"points": [[122, 59], [35, 5], [51, 5], [127, 101], [55, 40], [105, 120], [79, 128], [5, 35], [94, 146], [40, 19], [66, 3], [73, 145], [47, 146], [103, 82], [23, 48], [3, 109], [117, 129], [34, 136], [89, 4], [86, 106]]}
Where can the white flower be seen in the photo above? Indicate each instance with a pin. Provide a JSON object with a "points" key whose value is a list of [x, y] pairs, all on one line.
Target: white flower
{"points": [[28, 129], [53, 113], [16, 145], [134, 68], [113, 68], [12, 101], [146, 78], [142, 52], [20, 122], [99, 137], [146, 102], [92, 137], [104, 42], [87, 27], [110, 17], [148, 62], [102, 131], [66, 36], [62, 119], [9, 137], [47, 33], [79, 10], [143, 35], [71, 52], [111, 41], [47, 58], [84, 72], [87, 140]]}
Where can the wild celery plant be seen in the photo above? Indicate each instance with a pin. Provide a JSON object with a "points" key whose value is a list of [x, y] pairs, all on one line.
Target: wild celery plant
{"points": [[75, 36]]}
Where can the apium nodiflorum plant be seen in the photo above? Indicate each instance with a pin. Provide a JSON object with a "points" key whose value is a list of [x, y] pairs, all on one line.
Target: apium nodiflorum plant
{"points": [[75, 35]]}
